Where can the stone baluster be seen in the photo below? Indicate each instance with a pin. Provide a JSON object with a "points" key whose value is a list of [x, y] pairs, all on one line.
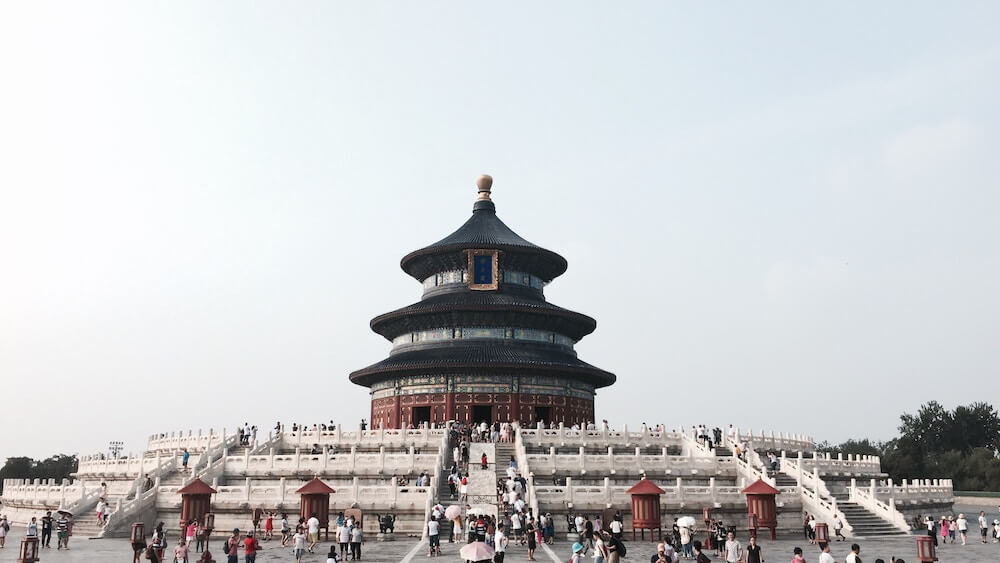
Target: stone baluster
{"points": [[871, 489], [354, 458], [607, 492], [326, 458], [246, 497], [298, 458], [569, 491], [394, 491], [355, 490], [271, 463], [413, 458], [381, 458], [562, 434], [583, 460], [281, 491], [246, 459], [611, 459], [680, 490]]}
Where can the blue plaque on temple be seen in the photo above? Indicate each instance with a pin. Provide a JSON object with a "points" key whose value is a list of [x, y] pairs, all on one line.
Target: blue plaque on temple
{"points": [[482, 269]]}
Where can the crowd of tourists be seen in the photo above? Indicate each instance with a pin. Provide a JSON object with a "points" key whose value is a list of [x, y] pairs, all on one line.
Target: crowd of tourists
{"points": [[42, 528], [956, 529]]}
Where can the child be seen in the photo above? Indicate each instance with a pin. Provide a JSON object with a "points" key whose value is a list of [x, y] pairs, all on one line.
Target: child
{"points": [[181, 551], [269, 526], [299, 544], [332, 556]]}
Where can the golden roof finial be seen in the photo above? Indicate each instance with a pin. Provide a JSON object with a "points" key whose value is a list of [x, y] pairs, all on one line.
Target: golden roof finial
{"points": [[484, 183]]}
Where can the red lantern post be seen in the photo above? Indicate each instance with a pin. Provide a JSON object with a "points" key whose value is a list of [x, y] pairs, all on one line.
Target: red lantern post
{"points": [[822, 532], [925, 549], [29, 550], [138, 540], [646, 508]]}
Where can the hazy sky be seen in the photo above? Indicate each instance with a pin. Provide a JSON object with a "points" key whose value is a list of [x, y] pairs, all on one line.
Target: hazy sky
{"points": [[782, 215]]}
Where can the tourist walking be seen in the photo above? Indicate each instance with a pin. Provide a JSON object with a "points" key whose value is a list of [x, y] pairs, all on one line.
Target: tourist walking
{"points": [[963, 527], [47, 522], [824, 556], [500, 542], [299, 544], [853, 556], [62, 532], [699, 557], [838, 527], [600, 548], [433, 537], [753, 551], [180, 551], [577, 556], [484, 462], [686, 547], [184, 459], [357, 538], [233, 547], [313, 525], [982, 525], [4, 528], [733, 549], [32, 528], [250, 547]]}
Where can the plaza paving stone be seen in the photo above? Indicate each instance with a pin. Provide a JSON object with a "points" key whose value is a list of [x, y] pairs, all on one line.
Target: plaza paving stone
{"points": [[106, 551], [779, 551]]}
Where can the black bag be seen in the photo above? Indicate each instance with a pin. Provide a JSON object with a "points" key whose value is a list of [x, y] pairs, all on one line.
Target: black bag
{"points": [[620, 548], [225, 547]]}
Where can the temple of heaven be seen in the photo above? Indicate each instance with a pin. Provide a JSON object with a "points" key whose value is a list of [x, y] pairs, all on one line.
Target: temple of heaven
{"points": [[482, 344]]}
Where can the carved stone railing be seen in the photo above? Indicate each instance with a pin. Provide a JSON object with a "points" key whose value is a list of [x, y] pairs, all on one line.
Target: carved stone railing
{"points": [[627, 464], [886, 511], [607, 495], [381, 463], [824, 509], [805, 478], [603, 437], [340, 439]]}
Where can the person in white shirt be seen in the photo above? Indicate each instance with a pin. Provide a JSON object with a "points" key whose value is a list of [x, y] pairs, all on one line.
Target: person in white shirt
{"points": [[433, 537], [825, 556], [838, 526], [852, 557], [313, 524], [299, 543], [733, 549], [982, 525], [616, 529], [579, 523], [963, 526], [499, 544]]}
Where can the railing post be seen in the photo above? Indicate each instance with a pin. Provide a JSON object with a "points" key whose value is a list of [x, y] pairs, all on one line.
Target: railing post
{"points": [[247, 497], [583, 460], [680, 490], [569, 490]]}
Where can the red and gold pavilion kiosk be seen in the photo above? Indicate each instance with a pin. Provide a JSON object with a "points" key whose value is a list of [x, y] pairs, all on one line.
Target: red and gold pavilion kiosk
{"points": [[646, 508], [761, 503], [315, 499]]}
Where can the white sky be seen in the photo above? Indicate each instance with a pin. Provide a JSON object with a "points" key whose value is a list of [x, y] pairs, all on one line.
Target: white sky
{"points": [[781, 214]]}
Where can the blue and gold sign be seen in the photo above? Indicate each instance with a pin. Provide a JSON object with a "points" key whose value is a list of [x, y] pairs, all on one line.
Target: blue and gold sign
{"points": [[483, 270]]}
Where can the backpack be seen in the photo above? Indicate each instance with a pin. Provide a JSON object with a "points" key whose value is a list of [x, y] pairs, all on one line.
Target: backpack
{"points": [[225, 546], [620, 548]]}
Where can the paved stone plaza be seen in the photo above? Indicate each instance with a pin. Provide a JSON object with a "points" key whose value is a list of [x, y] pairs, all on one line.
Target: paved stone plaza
{"points": [[108, 550]]}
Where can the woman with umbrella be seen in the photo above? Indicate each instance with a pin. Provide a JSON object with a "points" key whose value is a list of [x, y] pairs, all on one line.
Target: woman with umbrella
{"points": [[476, 552]]}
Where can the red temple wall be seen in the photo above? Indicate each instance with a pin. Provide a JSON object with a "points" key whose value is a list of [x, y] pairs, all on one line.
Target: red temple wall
{"points": [[398, 411]]}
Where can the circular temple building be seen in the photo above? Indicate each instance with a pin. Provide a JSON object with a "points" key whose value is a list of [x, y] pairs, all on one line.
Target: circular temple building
{"points": [[482, 344]]}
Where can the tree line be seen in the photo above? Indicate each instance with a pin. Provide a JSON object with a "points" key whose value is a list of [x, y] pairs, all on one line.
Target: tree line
{"points": [[59, 466], [961, 444]]}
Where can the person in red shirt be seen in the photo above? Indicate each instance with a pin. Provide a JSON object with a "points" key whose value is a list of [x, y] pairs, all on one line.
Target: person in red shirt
{"points": [[250, 547], [485, 465]]}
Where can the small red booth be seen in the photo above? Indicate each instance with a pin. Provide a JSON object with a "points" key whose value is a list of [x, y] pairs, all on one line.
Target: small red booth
{"points": [[761, 503], [646, 508], [315, 499], [196, 502]]}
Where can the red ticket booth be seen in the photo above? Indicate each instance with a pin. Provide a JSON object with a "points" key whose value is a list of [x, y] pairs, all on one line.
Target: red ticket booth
{"points": [[761, 503], [646, 509], [315, 499], [196, 502]]}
